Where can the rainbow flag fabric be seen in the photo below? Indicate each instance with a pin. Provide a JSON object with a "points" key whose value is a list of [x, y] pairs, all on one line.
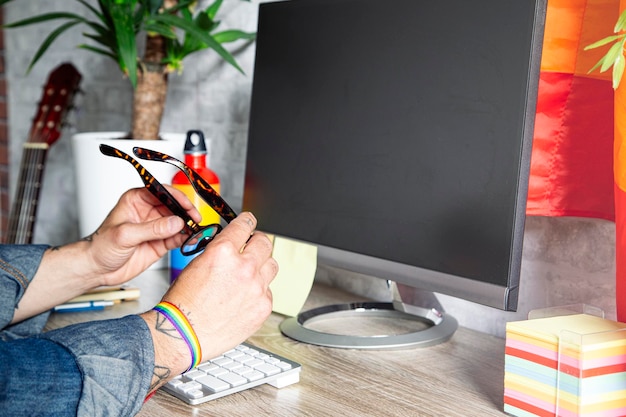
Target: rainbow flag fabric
{"points": [[578, 165], [571, 166]]}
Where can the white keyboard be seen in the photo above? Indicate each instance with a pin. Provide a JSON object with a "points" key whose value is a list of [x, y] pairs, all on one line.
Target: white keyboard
{"points": [[241, 368]]}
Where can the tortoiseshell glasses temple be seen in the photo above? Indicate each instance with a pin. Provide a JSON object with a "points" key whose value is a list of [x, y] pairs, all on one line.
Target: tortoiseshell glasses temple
{"points": [[200, 236], [199, 184]]}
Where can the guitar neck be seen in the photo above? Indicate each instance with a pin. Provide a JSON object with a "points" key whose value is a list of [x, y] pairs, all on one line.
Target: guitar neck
{"points": [[56, 99], [24, 208]]}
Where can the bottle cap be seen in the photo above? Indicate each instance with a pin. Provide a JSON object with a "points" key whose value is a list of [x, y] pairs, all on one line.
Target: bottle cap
{"points": [[195, 142]]}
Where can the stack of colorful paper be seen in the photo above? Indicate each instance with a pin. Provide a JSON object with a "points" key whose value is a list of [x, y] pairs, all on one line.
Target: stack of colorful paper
{"points": [[572, 365]]}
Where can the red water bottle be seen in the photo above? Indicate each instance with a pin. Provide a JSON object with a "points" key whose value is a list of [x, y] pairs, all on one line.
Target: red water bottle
{"points": [[195, 157]]}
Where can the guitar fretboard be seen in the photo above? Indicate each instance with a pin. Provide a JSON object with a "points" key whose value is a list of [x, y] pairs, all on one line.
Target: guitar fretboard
{"points": [[24, 209]]}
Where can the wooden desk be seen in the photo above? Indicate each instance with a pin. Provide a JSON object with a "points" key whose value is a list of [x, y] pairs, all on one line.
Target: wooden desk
{"points": [[462, 377]]}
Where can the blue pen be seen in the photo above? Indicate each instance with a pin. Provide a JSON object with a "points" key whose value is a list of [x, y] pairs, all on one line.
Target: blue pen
{"points": [[82, 306]]}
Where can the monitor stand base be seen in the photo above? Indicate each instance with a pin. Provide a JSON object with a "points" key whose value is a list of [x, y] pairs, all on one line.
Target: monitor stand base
{"points": [[440, 326]]}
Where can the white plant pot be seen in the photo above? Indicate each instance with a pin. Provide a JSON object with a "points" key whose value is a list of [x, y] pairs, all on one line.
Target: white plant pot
{"points": [[101, 180]]}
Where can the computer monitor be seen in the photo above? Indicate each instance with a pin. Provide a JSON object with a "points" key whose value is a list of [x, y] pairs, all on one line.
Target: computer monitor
{"points": [[397, 136]]}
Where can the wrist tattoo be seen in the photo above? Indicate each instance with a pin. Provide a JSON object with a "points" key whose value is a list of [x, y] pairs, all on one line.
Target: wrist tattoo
{"points": [[160, 375], [163, 325]]}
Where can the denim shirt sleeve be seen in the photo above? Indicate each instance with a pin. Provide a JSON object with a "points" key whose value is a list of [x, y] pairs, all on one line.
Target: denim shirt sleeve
{"points": [[18, 264], [114, 358]]}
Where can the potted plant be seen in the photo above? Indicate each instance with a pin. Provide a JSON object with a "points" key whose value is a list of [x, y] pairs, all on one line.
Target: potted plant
{"points": [[173, 30]]}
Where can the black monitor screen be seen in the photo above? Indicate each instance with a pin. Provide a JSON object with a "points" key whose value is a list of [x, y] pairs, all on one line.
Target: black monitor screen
{"points": [[399, 130]]}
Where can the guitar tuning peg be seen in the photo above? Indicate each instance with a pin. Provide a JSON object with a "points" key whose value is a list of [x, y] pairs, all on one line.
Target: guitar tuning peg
{"points": [[71, 127], [77, 100], [70, 122]]}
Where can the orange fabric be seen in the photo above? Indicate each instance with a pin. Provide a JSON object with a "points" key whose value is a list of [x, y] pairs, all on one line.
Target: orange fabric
{"points": [[619, 151], [620, 253], [570, 26], [619, 161]]}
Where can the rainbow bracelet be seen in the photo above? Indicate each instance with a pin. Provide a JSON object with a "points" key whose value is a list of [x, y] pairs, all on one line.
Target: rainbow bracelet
{"points": [[180, 322]]}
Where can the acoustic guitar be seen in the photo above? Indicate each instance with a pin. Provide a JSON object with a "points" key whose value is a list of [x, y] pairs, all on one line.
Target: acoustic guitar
{"points": [[56, 100]]}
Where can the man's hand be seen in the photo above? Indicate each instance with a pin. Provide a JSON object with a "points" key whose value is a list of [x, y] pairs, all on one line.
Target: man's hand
{"points": [[224, 292]]}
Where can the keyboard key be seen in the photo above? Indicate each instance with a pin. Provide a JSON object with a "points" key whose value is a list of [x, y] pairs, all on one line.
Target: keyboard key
{"points": [[233, 365], [212, 383], [245, 359], [218, 371], [233, 379], [234, 354], [195, 393], [254, 376], [222, 361], [208, 367], [243, 370], [189, 386], [193, 374], [254, 363], [174, 383], [267, 369]]}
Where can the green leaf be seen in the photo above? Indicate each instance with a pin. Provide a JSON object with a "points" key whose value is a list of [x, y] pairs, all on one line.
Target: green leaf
{"points": [[108, 22], [105, 41], [98, 51], [621, 23], [101, 29], [201, 35], [618, 71], [48, 41], [122, 17], [233, 35], [152, 6], [182, 4], [205, 22], [43, 18], [93, 10], [212, 10], [604, 41], [611, 56], [186, 13], [162, 30], [596, 66]]}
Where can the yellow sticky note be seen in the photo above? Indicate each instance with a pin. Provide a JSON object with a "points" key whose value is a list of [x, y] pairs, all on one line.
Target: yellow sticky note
{"points": [[297, 263]]}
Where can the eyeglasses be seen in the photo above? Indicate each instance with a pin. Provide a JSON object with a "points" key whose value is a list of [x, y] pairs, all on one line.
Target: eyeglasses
{"points": [[200, 236]]}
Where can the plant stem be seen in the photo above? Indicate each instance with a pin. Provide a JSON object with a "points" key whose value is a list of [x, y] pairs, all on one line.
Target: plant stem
{"points": [[149, 101]]}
